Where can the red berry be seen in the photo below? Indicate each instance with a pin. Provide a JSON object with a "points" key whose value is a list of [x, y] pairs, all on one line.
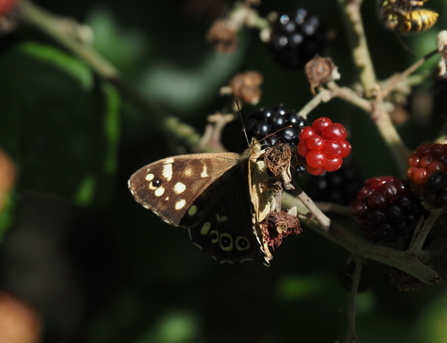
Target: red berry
{"points": [[315, 142], [302, 149], [320, 124], [345, 149], [333, 164], [314, 171], [334, 131], [316, 159], [332, 148], [306, 133]]}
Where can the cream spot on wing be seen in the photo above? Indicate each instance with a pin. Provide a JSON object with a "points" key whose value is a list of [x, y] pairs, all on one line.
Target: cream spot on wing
{"points": [[179, 188], [167, 171], [187, 172], [204, 171], [167, 198], [159, 191], [205, 228], [192, 210], [180, 204], [221, 219], [150, 177], [214, 235]]}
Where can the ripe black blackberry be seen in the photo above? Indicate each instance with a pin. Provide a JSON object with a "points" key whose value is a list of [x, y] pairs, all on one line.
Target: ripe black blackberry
{"points": [[387, 210], [339, 187], [284, 125], [296, 38]]}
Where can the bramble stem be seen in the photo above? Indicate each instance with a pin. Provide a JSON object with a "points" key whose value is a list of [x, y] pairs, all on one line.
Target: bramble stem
{"points": [[358, 245], [350, 10]]}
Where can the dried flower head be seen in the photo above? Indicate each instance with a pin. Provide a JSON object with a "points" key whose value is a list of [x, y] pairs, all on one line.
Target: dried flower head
{"points": [[278, 225], [277, 159], [223, 37], [320, 70], [245, 87]]}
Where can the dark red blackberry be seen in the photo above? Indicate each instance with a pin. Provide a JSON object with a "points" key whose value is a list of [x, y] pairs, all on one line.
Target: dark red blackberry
{"points": [[338, 187], [284, 125], [386, 209], [296, 38]]}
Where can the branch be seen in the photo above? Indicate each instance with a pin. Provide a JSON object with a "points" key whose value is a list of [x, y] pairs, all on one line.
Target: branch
{"points": [[350, 10], [358, 245]]}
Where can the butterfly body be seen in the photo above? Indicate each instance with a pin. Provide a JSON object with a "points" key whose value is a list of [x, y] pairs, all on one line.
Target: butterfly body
{"points": [[220, 197]]}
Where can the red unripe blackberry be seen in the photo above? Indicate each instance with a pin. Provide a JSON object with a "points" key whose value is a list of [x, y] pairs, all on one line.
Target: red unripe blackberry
{"points": [[296, 37], [386, 209], [323, 145], [427, 173]]}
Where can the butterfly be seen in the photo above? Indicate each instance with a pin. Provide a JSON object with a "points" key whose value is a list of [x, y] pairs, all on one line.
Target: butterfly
{"points": [[221, 198]]}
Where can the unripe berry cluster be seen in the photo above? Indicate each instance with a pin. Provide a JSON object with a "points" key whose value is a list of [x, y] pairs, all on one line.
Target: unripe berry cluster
{"points": [[386, 209], [323, 145], [427, 173]]}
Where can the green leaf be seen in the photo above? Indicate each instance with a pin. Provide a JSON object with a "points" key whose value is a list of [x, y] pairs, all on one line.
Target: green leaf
{"points": [[59, 122]]}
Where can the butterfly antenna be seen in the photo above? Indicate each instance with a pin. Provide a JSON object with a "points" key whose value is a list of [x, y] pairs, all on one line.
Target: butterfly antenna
{"points": [[242, 121]]}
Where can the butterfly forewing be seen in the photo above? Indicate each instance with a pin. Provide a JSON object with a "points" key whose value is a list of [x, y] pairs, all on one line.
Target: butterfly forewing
{"points": [[169, 186]]}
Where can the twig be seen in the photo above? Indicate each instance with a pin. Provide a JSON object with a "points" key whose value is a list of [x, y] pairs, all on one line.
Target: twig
{"points": [[394, 80], [421, 233], [352, 336]]}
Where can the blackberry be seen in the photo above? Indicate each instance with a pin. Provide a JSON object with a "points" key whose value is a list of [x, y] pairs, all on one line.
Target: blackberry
{"points": [[296, 38], [323, 146], [387, 210], [427, 173], [338, 187], [283, 124]]}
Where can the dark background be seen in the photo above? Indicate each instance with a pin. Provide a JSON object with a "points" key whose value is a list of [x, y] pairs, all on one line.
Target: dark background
{"points": [[99, 268]]}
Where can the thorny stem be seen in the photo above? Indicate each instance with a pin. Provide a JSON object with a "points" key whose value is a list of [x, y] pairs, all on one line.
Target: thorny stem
{"points": [[358, 245], [352, 336], [61, 29], [354, 26]]}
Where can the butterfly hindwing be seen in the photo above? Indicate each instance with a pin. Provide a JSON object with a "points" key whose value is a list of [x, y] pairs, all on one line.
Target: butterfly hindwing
{"points": [[224, 227]]}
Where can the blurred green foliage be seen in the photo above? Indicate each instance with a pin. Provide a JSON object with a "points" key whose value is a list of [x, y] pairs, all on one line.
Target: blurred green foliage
{"points": [[71, 134]]}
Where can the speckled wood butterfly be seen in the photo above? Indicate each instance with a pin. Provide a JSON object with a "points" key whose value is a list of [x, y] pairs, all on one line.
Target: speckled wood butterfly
{"points": [[222, 198]]}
